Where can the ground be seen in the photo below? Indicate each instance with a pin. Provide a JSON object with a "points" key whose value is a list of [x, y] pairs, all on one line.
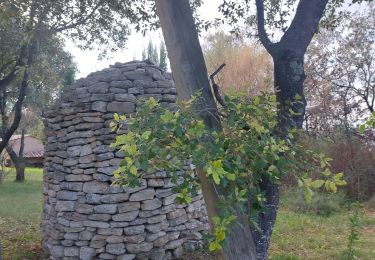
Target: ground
{"points": [[296, 235]]}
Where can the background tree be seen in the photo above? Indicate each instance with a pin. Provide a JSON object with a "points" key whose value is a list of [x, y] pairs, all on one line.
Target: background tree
{"points": [[158, 57], [163, 56], [342, 61], [26, 24], [51, 71]]}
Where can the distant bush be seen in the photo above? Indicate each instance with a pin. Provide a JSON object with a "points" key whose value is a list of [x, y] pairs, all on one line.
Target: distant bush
{"points": [[323, 203], [351, 155]]}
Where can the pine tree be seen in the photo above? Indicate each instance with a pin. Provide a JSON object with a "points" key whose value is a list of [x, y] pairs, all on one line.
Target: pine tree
{"points": [[163, 56]]}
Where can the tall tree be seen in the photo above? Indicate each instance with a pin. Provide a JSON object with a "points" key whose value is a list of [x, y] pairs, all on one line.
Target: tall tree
{"points": [[162, 56], [190, 75], [26, 24], [342, 61], [288, 57]]}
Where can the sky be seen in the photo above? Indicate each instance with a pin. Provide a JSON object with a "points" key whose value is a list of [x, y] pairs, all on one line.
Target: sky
{"points": [[88, 61]]}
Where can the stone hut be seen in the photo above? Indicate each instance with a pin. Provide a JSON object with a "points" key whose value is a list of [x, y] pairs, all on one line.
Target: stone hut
{"points": [[84, 216]]}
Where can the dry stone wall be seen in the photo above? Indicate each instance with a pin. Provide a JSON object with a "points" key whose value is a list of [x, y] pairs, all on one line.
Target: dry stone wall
{"points": [[84, 216]]}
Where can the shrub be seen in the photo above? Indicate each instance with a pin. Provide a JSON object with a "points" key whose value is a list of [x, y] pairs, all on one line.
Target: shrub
{"points": [[351, 155], [323, 204]]}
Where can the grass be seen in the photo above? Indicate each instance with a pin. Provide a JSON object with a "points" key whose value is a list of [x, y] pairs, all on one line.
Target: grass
{"points": [[296, 235], [20, 215]]}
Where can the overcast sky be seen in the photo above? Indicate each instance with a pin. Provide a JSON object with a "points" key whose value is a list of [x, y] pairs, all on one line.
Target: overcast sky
{"points": [[88, 61]]}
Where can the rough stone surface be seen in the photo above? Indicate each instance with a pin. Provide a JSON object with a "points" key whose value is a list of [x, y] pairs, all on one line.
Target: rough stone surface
{"points": [[85, 217]]}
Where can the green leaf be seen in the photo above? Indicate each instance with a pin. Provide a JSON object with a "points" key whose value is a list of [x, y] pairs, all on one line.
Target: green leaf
{"points": [[316, 184], [362, 128], [167, 116], [116, 117], [133, 170], [146, 135]]}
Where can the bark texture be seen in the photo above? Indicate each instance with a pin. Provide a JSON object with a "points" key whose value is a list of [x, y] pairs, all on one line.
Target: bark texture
{"points": [[289, 75], [17, 159], [190, 76]]}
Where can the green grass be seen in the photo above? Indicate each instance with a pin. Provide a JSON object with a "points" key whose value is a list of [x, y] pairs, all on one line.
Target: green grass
{"points": [[20, 214], [296, 235]]}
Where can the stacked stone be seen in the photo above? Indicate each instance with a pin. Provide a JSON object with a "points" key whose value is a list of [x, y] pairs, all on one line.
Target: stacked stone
{"points": [[84, 216]]}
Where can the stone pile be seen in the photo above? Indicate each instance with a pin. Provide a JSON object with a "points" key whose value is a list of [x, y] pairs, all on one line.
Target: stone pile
{"points": [[84, 216]]}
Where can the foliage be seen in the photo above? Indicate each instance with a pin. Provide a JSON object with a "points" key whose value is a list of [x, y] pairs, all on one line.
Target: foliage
{"points": [[350, 154], [322, 204], [248, 67], [235, 160], [370, 123]]}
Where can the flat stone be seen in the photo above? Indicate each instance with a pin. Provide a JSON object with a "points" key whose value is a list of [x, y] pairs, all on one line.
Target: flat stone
{"points": [[156, 219], [115, 198], [107, 256], [146, 194], [115, 249], [161, 241], [86, 235], [169, 200], [135, 239], [139, 248], [126, 257], [129, 206], [78, 177], [62, 205], [155, 253], [93, 198], [152, 237], [121, 107], [57, 251], [71, 251], [98, 88], [148, 213], [134, 230], [115, 239], [174, 244], [176, 213], [86, 253], [95, 187], [86, 150], [155, 182], [106, 208], [128, 216], [67, 195], [110, 231], [96, 224], [100, 106], [125, 97], [178, 221], [155, 228], [100, 217], [151, 204]]}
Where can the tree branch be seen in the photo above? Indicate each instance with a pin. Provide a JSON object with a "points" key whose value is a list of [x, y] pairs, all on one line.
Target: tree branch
{"points": [[304, 25], [7, 133], [265, 40]]}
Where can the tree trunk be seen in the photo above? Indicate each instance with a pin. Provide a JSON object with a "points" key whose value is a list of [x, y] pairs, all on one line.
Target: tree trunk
{"points": [[289, 76], [190, 76], [18, 160]]}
